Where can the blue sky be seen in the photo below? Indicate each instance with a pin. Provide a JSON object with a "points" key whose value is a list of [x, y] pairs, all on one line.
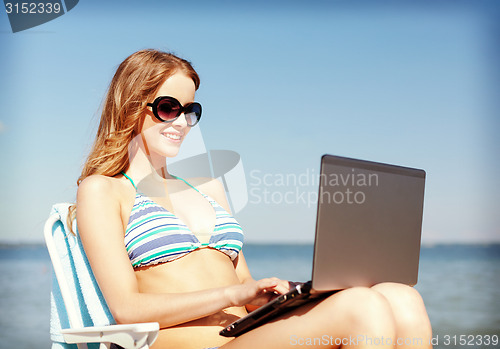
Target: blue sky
{"points": [[410, 83]]}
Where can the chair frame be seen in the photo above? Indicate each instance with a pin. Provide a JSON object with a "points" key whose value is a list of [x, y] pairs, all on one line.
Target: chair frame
{"points": [[128, 336]]}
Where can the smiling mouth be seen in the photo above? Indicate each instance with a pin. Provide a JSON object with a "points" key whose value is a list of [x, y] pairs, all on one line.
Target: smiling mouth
{"points": [[172, 136]]}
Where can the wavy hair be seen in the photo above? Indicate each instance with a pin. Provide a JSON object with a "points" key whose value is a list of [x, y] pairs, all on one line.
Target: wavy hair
{"points": [[135, 83]]}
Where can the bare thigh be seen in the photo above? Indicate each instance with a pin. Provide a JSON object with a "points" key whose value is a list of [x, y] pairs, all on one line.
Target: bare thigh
{"points": [[324, 323]]}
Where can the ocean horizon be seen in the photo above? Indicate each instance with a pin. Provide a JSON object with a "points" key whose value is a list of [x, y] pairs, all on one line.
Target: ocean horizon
{"points": [[460, 285]]}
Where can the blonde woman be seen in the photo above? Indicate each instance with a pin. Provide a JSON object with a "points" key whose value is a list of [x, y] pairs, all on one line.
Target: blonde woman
{"points": [[167, 249]]}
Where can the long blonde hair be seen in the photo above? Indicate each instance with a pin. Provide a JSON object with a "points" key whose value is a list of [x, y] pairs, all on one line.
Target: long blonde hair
{"points": [[134, 84]]}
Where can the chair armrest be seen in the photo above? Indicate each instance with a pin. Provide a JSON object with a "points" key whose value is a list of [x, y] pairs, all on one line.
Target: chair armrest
{"points": [[129, 336]]}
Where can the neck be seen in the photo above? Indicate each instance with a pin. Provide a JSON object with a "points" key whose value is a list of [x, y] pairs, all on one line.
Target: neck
{"points": [[142, 164]]}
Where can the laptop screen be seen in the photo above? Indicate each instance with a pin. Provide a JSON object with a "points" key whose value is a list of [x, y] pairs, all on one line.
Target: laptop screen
{"points": [[368, 224]]}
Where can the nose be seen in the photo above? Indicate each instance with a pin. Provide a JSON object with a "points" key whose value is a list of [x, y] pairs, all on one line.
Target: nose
{"points": [[180, 121]]}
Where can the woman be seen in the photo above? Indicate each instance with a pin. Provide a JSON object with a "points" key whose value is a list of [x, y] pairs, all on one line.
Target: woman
{"points": [[166, 249]]}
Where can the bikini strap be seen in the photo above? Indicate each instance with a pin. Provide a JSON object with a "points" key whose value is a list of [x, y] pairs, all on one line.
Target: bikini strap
{"points": [[186, 183], [182, 179], [130, 179]]}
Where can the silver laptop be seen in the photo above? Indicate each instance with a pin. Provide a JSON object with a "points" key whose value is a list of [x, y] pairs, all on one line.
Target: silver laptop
{"points": [[368, 229]]}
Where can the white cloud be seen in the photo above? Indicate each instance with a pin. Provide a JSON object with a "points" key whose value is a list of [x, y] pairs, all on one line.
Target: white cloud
{"points": [[2, 127]]}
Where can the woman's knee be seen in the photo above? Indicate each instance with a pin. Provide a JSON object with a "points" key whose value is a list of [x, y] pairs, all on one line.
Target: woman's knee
{"points": [[401, 296], [362, 309], [400, 292], [406, 304], [365, 301]]}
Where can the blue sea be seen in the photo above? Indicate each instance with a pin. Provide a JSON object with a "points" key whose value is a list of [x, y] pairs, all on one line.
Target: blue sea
{"points": [[460, 285]]}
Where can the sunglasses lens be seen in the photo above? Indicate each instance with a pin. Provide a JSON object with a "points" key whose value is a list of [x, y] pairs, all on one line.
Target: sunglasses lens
{"points": [[193, 113], [168, 110]]}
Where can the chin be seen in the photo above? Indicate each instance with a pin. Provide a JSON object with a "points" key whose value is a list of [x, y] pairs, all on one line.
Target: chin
{"points": [[171, 152], [171, 155], [165, 148]]}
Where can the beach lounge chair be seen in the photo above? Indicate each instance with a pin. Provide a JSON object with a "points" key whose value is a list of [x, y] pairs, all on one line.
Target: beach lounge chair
{"points": [[79, 313]]}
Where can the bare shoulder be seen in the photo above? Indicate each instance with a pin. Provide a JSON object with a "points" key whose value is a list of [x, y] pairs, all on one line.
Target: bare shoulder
{"points": [[101, 188], [99, 202], [96, 185]]}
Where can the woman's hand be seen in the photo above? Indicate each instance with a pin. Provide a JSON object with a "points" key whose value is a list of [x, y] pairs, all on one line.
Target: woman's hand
{"points": [[256, 293]]}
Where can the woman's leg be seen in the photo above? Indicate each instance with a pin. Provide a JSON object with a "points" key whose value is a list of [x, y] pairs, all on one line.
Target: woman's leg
{"points": [[354, 318], [413, 328]]}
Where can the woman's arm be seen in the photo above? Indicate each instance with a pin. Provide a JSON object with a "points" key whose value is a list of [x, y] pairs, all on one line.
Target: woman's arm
{"points": [[102, 234]]}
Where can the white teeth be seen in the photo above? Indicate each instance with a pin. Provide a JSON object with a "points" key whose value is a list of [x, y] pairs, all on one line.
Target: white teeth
{"points": [[172, 136]]}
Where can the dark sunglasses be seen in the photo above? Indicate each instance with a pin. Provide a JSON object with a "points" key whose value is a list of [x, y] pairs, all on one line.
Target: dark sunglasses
{"points": [[168, 109]]}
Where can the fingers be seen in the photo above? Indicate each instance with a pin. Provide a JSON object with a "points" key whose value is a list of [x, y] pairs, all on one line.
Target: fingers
{"points": [[274, 285], [257, 292], [284, 286], [267, 284]]}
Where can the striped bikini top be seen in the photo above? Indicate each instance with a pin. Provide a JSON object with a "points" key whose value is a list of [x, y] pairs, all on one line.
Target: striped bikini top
{"points": [[155, 235]]}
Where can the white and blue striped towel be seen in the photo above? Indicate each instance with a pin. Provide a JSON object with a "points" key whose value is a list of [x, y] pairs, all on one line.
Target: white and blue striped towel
{"points": [[85, 293]]}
